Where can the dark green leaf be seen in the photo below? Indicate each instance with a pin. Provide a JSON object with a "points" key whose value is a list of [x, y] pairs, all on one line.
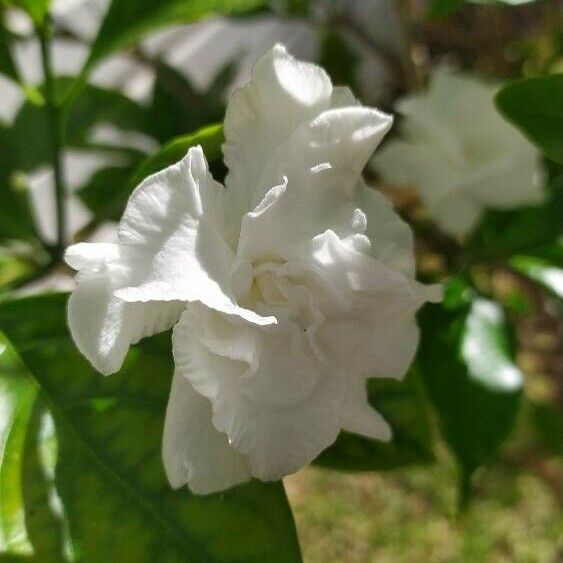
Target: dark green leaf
{"points": [[177, 107], [109, 472], [504, 233], [127, 21], [535, 106], [471, 378], [402, 404]]}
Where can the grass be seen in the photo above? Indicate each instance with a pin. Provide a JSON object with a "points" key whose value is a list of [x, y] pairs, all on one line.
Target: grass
{"points": [[409, 516]]}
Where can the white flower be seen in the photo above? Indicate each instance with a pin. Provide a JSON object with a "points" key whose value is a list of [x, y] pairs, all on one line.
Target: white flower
{"points": [[460, 153], [287, 290]]}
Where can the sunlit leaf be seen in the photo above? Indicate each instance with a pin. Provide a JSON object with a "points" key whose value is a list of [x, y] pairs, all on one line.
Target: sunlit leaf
{"points": [[541, 271], [17, 396], [210, 138]]}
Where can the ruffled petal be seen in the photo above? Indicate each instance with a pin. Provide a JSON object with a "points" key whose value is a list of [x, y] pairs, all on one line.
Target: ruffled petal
{"points": [[278, 410], [194, 452], [373, 332], [283, 94], [318, 170], [171, 240], [103, 326]]}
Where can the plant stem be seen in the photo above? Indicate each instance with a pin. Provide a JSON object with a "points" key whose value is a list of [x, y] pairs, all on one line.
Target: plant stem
{"points": [[55, 124]]}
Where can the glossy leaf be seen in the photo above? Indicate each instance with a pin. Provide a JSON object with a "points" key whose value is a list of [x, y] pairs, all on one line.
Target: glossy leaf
{"points": [[541, 271], [535, 106], [109, 474], [466, 363], [402, 405], [210, 138], [127, 21]]}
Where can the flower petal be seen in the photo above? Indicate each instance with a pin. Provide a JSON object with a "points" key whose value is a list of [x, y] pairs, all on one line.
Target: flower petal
{"points": [[283, 93], [103, 327], [194, 452], [171, 240], [278, 410], [361, 418], [319, 169]]}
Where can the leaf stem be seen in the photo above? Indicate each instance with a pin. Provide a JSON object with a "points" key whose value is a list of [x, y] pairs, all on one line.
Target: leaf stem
{"points": [[55, 124]]}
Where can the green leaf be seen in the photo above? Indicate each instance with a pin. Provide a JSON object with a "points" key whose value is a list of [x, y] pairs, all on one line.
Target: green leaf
{"points": [[403, 406], [535, 106], [504, 233], [177, 107], [471, 378], [541, 271], [127, 21], [109, 473], [210, 138]]}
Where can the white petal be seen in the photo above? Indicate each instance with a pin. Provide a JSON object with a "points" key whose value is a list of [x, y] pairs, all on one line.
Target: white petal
{"points": [[280, 412], [283, 94], [103, 327], [456, 215], [194, 452], [320, 168], [342, 97], [391, 238], [90, 255], [171, 241], [375, 333], [361, 418]]}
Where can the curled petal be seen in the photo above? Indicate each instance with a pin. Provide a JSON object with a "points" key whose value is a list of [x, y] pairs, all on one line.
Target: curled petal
{"points": [[283, 94]]}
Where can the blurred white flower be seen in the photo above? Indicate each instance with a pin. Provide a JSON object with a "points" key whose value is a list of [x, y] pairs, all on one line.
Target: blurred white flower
{"points": [[287, 290], [460, 154]]}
